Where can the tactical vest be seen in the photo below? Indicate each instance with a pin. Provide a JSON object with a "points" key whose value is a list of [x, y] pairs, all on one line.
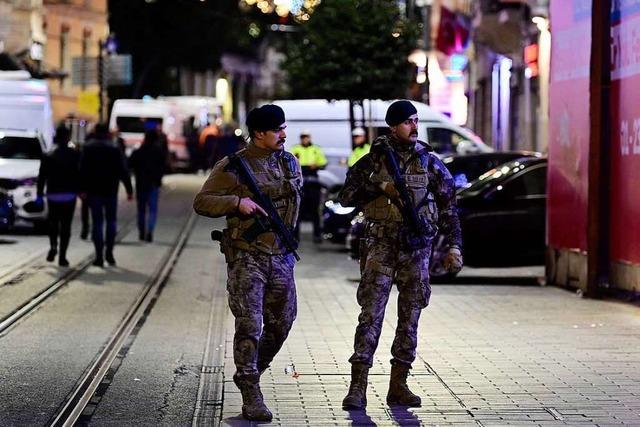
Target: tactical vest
{"points": [[277, 177], [416, 177]]}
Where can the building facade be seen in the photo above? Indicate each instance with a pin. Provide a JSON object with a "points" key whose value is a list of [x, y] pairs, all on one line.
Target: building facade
{"points": [[508, 73], [44, 36], [74, 29], [21, 30]]}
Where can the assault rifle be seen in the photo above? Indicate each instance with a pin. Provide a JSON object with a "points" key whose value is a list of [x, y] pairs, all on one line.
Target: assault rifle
{"points": [[262, 224], [420, 232]]}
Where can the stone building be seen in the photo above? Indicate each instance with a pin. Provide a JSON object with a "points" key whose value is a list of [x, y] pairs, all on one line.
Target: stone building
{"points": [[73, 29], [43, 37]]}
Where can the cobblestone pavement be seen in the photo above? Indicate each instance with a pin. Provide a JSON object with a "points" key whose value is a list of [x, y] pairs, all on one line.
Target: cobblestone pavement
{"points": [[488, 354]]}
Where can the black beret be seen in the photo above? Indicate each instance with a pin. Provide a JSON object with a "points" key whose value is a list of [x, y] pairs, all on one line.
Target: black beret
{"points": [[399, 111], [267, 117]]}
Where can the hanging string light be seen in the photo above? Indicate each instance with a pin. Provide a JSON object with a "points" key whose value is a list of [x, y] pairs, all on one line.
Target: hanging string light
{"points": [[300, 9]]}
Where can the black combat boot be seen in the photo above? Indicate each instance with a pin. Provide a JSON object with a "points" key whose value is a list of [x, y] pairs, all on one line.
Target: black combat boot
{"points": [[399, 393], [253, 407], [357, 396]]}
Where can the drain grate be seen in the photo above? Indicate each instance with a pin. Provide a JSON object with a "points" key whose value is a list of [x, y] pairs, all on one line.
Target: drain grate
{"points": [[212, 369]]}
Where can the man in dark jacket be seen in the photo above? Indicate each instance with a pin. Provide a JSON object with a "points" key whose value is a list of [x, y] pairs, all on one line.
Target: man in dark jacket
{"points": [[102, 167], [59, 173], [148, 163]]}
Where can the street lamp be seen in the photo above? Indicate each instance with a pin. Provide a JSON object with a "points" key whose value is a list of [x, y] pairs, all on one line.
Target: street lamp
{"points": [[110, 46], [419, 58]]}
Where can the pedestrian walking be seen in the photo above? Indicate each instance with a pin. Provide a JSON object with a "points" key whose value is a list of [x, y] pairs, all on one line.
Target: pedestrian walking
{"points": [[311, 160], [207, 141], [59, 174], [260, 260], [84, 218], [191, 134], [148, 166], [85, 213], [102, 168], [360, 146], [225, 144], [119, 140], [163, 143], [406, 193]]}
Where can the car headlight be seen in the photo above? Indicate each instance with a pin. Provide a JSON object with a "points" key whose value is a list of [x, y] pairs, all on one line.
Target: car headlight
{"points": [[337, 208]]}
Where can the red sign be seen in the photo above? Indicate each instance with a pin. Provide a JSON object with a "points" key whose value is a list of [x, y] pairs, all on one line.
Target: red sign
{"points": [[531, 58], [625, 137], [453, 32], [569, 125]]}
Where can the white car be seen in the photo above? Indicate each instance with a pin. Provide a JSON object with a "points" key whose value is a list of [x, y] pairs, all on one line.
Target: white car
{"points": [[20, 154]]}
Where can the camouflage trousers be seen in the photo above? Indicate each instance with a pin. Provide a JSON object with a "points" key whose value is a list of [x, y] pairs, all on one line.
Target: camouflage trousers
{"points": [[262, 298], [382, 265]]}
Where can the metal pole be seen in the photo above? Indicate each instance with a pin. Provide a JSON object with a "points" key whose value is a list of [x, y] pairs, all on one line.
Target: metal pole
{"points": [[527, 128], [426, 37], [599, 156], [100, 81]]}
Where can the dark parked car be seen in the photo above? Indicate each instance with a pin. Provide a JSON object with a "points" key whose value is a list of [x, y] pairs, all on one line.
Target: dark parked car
{"points": [[463, 168], [466, 168], [498, 229], [503, 214]]}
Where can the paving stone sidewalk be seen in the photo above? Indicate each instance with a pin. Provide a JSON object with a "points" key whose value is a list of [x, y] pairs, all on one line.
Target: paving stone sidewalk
{"points": [[488, 355]]}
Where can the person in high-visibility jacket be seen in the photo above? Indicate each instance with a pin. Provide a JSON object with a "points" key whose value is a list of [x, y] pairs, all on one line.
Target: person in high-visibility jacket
{"points": [[360, 146], [311, 159]]}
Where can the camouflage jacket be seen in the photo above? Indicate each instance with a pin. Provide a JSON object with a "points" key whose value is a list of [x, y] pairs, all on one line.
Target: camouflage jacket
{"points": [[430, 185], [278, 176]]}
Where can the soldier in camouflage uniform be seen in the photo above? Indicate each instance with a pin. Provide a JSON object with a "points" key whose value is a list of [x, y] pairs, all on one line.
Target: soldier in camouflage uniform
{"points": [[385, 259], [262, 292]]}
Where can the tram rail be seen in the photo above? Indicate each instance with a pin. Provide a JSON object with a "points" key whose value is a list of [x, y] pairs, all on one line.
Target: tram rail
{"points": [[33, 303], [71, 410]]}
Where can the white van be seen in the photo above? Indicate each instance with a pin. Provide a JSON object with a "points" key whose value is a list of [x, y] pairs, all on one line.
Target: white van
{"points": [[20, 155], [328, 123], [25, 104], [26, 132], [131, 117], [204, 109]]}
